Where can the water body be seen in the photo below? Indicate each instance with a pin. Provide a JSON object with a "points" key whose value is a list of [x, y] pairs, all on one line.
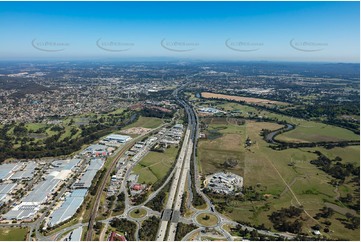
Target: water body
{"points": [[270, 136]]}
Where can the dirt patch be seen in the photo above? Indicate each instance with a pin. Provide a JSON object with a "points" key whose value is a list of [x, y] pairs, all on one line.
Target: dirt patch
{"points": [[239, 98], [340, 210], [136, 130]]}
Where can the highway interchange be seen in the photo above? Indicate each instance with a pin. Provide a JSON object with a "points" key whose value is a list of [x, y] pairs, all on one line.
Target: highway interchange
{"points": [[180, 178]]}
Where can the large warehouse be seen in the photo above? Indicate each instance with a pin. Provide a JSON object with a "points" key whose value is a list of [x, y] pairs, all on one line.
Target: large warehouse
{"points": [[68, 208], [117, 138]]}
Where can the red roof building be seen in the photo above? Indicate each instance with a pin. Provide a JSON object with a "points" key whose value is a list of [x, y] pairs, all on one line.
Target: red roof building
{"points": [[116, 237], [137, 187]]}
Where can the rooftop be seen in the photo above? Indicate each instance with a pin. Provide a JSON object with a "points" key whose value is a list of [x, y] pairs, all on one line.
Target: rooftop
{"points": [[68, 208], [6, 169], [118, 137], [5, 189], [66, 164], [42, 190], [26, 173]]}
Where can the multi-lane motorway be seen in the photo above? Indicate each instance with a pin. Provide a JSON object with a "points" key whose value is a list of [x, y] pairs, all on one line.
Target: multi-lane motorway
{"points": [[180, 180], [167, 214], [171, 214]]}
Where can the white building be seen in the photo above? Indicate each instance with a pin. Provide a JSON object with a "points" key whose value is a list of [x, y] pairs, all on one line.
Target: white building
{"points": [[117, 138]]}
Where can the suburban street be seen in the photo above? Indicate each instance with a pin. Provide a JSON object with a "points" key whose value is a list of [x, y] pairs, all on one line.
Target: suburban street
{"points": [[180, 178]]}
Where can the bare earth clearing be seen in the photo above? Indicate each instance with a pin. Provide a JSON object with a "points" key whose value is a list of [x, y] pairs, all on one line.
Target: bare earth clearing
{"points": [[239, 98]]}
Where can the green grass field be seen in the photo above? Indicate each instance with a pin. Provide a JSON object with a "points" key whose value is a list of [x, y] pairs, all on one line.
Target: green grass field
{"points": [[207, 219], [270, 170], [32, 127], [146, 122], [155, 165], [138, 213], [227, 144], [13, 234], [118, 111], [306, 131], [347, 154], [313, 132]]}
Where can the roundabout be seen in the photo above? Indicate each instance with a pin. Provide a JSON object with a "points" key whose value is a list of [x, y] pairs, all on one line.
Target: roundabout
{"points": [[207, 219], [138, 213]]}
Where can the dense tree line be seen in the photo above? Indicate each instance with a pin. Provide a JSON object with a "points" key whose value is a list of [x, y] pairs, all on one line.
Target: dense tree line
{"points": [[157, 203], [335, 168], [253, 234], [97, 179], [151, 112], [331, 111], [160, 95], [183, 230], [140, 198], [125, 226], [183, 207], [351, 222], [149, 229], [197, 198], [287, 220], [281, 145], [120, 203], [325, 212]]}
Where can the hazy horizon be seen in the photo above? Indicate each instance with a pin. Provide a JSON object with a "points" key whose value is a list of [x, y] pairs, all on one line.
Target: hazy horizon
{"points": [[203, 31]]}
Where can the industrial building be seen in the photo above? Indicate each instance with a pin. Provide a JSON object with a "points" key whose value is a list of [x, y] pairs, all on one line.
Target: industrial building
{"points": [[24, 210], [117, 138], [41, 192], [7, 170], [30, 204], [133, 178], [173, 136], [65, 164], [5, 189], [178, 126], [68, 208], [95, 164], [95, 150], [86, 180], [26, 173], [76, 198]]}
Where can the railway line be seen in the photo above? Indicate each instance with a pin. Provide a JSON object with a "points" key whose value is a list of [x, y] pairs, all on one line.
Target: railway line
{"points": [[101, 187]]}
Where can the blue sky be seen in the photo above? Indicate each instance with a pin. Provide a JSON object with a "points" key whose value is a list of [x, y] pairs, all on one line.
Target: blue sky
{"points": [[275, 31]]}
